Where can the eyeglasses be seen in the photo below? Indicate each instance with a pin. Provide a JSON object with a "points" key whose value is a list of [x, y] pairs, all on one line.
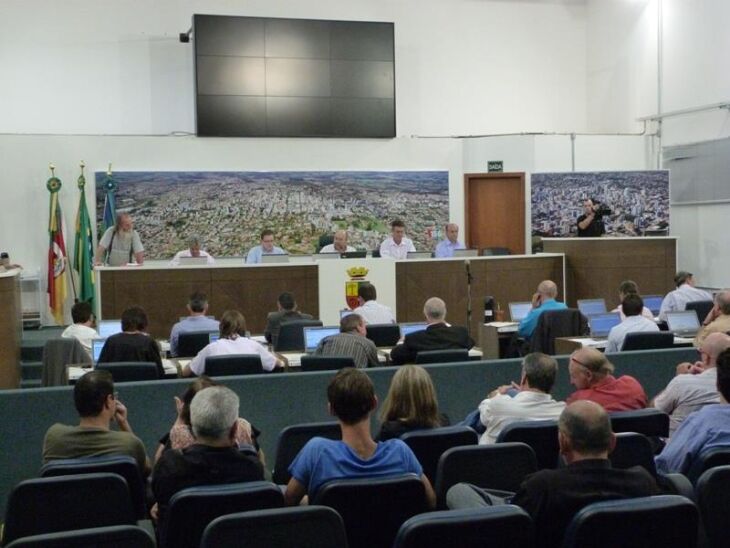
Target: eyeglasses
{"points": [[578, 362]]}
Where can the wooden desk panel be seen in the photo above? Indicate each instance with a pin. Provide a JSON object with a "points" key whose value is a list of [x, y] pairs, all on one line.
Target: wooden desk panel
{"points": [[417, 281], [11, 329], [596, 266]]}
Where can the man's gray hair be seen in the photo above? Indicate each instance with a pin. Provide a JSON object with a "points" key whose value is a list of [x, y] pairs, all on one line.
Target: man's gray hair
{"points": [[435, 309], [540, 371], [194, 241], [213, 412]]}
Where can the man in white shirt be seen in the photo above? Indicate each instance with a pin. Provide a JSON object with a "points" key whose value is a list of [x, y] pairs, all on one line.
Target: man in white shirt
{"points": [[196, 321], [397, 246], [695, 384], [192, 251], [635, 322], [339, 245], [531, 402], [370, 310], [82, 328], [686, 292]]}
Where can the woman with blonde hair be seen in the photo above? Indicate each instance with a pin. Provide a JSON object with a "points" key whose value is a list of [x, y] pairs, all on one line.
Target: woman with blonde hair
{"points": [[410, 404]]}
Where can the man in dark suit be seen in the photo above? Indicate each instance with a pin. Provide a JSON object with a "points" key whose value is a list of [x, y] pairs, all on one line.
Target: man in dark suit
{"points": [[439, 335], [287, 312]]}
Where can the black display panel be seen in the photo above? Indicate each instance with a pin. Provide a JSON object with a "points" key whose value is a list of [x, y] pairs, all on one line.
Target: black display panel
{"points": [[266, 77]]}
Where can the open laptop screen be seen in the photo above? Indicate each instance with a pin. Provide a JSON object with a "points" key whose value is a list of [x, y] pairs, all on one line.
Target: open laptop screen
{"points": [[685, 322], [653, 303], [518, 311], [601, 324], [313, 335], [107, 328], [589, 307], [408, 328], [96, 346]]}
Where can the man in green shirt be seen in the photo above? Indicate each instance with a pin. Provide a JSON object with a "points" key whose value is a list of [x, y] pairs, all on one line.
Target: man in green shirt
{"points": [[97, 406]]}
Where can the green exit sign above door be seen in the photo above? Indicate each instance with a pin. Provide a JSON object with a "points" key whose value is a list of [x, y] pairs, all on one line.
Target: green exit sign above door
{"points": [[495, 166]]}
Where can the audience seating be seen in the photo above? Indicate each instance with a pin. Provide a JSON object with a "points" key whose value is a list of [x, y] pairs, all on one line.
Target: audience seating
{"points": [[507, 526], [501, 466], [296, 527], [383, 334], [49, 505], [428, 445], [451, 355], [713, 499], [647, 341], [325, 363], [633, 449], [701, 308], [650, 422], [192, 509], [374, 509], [541, 436], [645, 522], [192, 342], [291, 335], [130, 371], [557, 323], [233, 364], [719, 456], [57, 354], [123, 465], [115, 536], [292, 439]]}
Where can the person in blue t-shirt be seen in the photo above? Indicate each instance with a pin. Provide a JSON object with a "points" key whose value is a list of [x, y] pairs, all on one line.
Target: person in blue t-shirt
{"points": [[543, 300], [352, 399]]}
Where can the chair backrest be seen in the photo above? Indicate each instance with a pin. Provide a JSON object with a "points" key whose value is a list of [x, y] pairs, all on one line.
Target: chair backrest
{"points": [[124, 465], [383, 334], [374, 509], [500, 466], [130, 371], [633, 449], [233, 364], [116, 536], [281, 527], [702, 308], [496, 251], [506, 525], [192, 509], [648, 340], [57, 354], [718, 456], [292, 439], [48, 505], [428, 445], [713, 499], [375, 253], [291, 335], [450, 355], [541, 436], [557, 323], [650, 422], [646, 522], [325, 363], [192, 342]]}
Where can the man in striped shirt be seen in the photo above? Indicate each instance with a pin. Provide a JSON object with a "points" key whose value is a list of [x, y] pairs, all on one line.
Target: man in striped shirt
{"points": [[350, 342]]}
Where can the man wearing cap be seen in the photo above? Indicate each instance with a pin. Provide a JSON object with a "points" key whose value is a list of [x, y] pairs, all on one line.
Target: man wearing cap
{"points": [[686, 292]]}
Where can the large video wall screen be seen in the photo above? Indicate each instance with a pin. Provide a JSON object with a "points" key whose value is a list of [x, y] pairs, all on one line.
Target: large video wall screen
{"points": [[264, 77]]}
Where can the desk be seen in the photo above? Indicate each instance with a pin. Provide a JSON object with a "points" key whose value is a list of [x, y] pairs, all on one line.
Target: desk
{"points": [[568, 345], [172, 369], [494, 338], [11, 328]]}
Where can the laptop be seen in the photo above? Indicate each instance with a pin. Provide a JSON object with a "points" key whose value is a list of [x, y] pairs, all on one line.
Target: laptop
{"points": [[519, 310], [419, 255], [305, 258], [107, 328], [319, 256], [466, 253], [96, 346], [213, 336], [684, 323], [601, 324], [589, 307], [186, 261], [653, 303], [274, 258], [354, 254], [313, 335], [411, 327]]}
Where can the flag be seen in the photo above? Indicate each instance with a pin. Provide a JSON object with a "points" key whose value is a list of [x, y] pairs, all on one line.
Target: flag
{"points": [[110, 207], [56, 253], [84, 247]]}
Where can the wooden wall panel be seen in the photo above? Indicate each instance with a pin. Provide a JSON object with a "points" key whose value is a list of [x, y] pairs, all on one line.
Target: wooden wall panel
{"points": [[417, 281], [11, 328]]}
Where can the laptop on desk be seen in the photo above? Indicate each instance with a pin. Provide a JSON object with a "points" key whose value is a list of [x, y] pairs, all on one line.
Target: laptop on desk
{"points": [[590, 307], [466, 252], [519, 310], [419, 255], [601, 324], [653, 303], [684, 323], [274, 258], [313, 336], [96, 346], [411, 327], [107, 328], [187, 261]]}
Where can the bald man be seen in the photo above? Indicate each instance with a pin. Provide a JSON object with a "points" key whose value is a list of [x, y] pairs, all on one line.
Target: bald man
{"points": [[339, 245], [446, 248], [543, 300]]}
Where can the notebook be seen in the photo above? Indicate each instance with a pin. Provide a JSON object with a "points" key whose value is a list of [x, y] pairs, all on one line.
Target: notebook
{"points": [[589, 307], [185, 261], [419, 255], [601, 324], [274, 258], [466, 252], [684, 323], [408, 328], [213, 336], [653, 303], [96, 346], [518, 310], [313, 335], [107, 328]]}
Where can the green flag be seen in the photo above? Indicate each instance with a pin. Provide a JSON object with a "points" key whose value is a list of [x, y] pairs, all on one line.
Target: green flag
{"points": [[84, 247]]}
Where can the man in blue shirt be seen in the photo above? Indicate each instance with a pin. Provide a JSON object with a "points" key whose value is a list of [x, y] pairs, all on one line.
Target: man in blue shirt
{"points": [[702, 430], [196, 321], [267, 247], [352, 399], [445, 248], [543, 300]]}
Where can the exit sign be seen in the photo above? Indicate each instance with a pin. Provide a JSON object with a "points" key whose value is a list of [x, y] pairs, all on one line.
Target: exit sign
{"points": [[495, 166]]}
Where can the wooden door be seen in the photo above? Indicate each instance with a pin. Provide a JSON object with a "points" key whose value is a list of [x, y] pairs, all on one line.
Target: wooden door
{"points": [[495, 211]]}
